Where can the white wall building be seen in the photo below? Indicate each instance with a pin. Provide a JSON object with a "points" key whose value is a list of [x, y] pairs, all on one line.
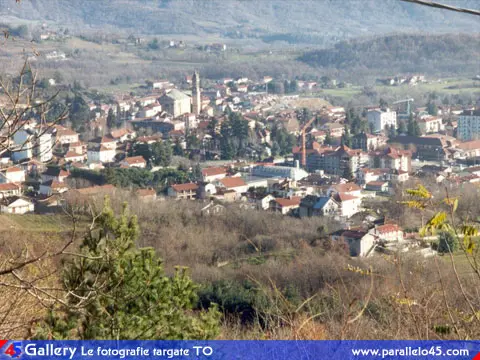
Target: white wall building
{"points": [[43, 147], [100, 154], [381, 118]]}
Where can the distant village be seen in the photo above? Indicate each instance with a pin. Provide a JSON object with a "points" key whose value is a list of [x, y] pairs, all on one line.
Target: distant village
{"points": [[253, 149]]}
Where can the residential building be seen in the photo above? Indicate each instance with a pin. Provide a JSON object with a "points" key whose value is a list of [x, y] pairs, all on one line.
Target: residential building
{"points": [[42, 149], [10, 189], [77, 147], [368, 142], [146, 194], [468, 149], [377, 186], [64, 135], [72, 156], [360, 242], [388, 232], [348, 188], [285, 206], [349, 204], [430, 124], [122, 135], [319, 206], [342, 161], [16, 205], [106, 141], [55, 173], [51, 187], [213, 173], [469, 125], [100, 153], [233, 183], [183, 191], [391, 158], [13, 175], [134, 161], [381, 119], [263, 203]]}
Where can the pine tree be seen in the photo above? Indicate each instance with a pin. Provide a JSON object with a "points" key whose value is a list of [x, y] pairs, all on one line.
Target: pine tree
{"points": [[346, 138], [402, 128], [392, 132], [111, 120], [118, 291]]}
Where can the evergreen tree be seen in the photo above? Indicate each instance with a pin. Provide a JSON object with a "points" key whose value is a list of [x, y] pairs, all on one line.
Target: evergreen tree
{"points": [[276, 150], [412, 127], [161, 153], [346, 137], [294, 86], [402, 128], [118, 291], [392, 132], [446, 242], [111, 119], [79, 113], [416, 128], [432, 108], [178, 149]]}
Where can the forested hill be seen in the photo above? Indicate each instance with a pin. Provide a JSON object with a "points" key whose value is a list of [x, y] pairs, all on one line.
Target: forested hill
{"points": [[269, 19], [452, 54]]}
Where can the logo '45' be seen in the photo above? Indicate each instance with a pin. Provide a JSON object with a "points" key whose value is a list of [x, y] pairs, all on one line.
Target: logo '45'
{"points": [[12, 349]]}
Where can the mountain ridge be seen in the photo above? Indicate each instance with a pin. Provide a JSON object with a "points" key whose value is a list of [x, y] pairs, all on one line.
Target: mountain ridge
{"points": [[245, 18]]}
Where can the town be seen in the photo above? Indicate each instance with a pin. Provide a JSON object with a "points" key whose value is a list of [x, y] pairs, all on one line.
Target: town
{"points": [[238, 142]]}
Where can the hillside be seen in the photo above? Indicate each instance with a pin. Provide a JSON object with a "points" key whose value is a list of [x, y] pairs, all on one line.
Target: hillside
{"points": [[294, 21], [440, 54]]}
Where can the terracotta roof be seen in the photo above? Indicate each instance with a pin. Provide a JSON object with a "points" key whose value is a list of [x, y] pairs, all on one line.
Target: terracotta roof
{"points": [[65, 132], [13, 169], [118, 133], [54, 184], [287, 202], [72, 154], [75, 144], [134, 160], [344, 197], [382, 229], [376, 183], [211, 171], [185, 187], [9, 186], [232, 182], [146, 192], [469, 145], [348, 187]]}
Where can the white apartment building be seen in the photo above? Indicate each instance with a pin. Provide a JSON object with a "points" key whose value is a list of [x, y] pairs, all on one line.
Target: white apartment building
{"points": [[469, 125], [381, 118], [43, 147]]}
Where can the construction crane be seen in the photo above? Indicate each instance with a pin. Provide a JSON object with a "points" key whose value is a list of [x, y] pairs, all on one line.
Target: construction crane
{"points": [[408, 101], [304, 142]]}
